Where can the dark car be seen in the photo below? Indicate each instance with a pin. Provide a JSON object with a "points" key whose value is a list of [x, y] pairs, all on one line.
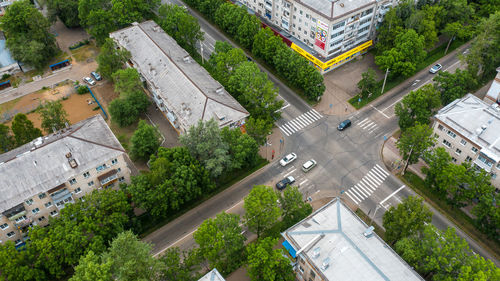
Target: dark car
{"points": [[282, 184], [344, 124], [96, 75]]}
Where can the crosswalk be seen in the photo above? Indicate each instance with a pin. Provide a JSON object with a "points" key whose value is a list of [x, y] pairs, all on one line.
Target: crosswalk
{"points": [[367, 185], [368, 125], [300, 122]]}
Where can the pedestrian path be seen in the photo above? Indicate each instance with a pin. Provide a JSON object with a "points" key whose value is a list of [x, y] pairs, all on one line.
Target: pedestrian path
{"points": [[368, 125], [367, 185], [300, 122]]}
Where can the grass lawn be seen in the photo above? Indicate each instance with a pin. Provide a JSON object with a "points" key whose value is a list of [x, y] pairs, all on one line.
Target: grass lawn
{"points": [[85, 52], [432, 57], [456, 215]]}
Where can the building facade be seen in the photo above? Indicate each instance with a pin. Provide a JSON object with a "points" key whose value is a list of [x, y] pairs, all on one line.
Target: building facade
{"points": [[469, 129], [328, 33], [39, 178], [182, 89]]}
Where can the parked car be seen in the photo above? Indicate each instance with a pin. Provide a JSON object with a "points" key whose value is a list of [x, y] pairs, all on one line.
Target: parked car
{"points": [[96, 76], [288, 159], [308, 165], [282, 184], [89, 81], [344, 125], [435, 68]]}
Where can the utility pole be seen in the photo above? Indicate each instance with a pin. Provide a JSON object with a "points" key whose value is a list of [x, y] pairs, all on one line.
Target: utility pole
{"points": [[383, 201], [407, 161], [385, 78], [201, 46]]}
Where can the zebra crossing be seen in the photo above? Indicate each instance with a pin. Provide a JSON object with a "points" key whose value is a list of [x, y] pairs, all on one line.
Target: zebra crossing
{"points": [[300, 122], [367, 185], [368, 125]]}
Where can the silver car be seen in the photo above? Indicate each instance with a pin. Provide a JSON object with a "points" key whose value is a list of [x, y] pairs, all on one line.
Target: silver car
{"points": [[435, 68], [288, 159], [89, 81]]}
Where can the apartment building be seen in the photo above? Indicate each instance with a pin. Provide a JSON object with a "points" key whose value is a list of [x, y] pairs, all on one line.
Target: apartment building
{"points": [[493, 94], [213, 275], [333, 243], [328, 33], [182, 89], [469, 129], [39, 178]]}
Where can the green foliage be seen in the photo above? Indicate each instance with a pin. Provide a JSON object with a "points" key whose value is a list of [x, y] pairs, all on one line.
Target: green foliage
{"points": [[368, 83], [28, 36], [175, 179], [407, 219], [66, 10], [437, 159], [127, 81], [453, 86], [221, 242], [389, 29], [294, 207], [259, 129], [126, 110], [16, 264], [414, 141], [183, 27], [243, 149], [487, 214], [23, 129], [81, 90], [145, 141], [111, 59], [7, 141], [53, 116], [176, 270], [261, 209], [91, 268], [267, 264], [418, 106], [225, 60]]}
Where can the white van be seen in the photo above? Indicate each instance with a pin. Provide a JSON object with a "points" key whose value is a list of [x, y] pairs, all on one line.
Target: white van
{"points": [[308, 165]]}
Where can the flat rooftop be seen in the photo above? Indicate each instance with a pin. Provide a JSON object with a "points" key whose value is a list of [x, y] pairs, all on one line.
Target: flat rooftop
{"points": [[333, 9], [332, 240], [185, 87], [42, 164], [475, 120], [213, 275]]}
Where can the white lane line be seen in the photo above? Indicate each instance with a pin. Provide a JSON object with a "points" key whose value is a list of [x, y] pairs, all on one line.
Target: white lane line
{"points": [[300, 122], [292, 125], [317, 113], [296, 124], [360, 196], [306, 121], [358, 187], [383, 171], [284, 131], [378, 175], [364, 120], [285, 106], [312, 116], [372, 182], [366, 125], [365, 182], [370, 174], [360, 183], [177, 241], [372, 130], [360, 191], [369, 192], [354, 200], [393, 103], [292, 130], [370, 126], [451, 66], [355, 196], [302, 182], [286, 175], [380, 111]]}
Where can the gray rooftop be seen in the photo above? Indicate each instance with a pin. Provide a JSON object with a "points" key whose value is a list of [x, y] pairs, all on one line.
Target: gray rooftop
{"points": [[494, 90], [213, 275], [475, 120], [332, 240], [42, 164], [187, 88], [333, 9]]}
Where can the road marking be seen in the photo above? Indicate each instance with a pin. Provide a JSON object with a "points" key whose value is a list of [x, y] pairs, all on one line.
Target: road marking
{"points": [[380, 168], [355, 201], [355, 187], [369, 192], [289, 173], [451, 66], [361, 183], [377, 181], [362, 122], [369, 184], [353, 190], [177, 241], [302, 182], [312, 116], [380, 112], [314, 111], [290, 128], [354, 195], [241, 201]]}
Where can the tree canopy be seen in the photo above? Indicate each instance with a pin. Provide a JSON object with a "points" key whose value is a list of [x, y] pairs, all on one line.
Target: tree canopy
{"points": [[261, 209], [24, 130], [145, 141], [453, 86], [7, 141], [414, 141], [111, 59], [293, 206], [267, 264], [418, 106], [53, 116]]}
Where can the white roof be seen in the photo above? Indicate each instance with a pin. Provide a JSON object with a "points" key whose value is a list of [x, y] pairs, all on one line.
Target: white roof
{"points": [[494, 91], [42, 164], [186, 88], [213, 275], [336, 8], [332, 240]]}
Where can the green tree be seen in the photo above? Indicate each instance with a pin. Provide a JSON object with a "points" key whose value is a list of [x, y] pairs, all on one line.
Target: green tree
{"points": [[66, 10], [247, 30], [417, 106], [259, 129], [90, 268], [293, 206], [225, 61], [456, 11], [391, 27], [23, 129], [402, 59], [407, 219], [145, 141], [267, 264], [367, 83], [53, 116], [16, 264], [437, 159], [261, 209], [183, 27], [221, 242], [265, 44], [478, 268], [456, 30], [111, 59], [176, 270], [7, 140], [127, 81], [243, 149], [205, 143], [414, 142], [487, 214], [453, 86], [126, 110]]}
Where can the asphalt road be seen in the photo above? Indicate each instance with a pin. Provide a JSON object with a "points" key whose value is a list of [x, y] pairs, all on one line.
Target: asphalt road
{"points": [[349, 162]]}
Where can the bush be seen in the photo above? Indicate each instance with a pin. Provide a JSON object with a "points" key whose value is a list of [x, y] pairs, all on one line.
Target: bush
{"points": [[5, 76], [81, 90]]}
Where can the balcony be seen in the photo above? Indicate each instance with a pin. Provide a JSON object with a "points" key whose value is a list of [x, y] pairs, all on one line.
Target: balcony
{"points": [[61, 197], [108, 178], [15, 212], [269, 5]]}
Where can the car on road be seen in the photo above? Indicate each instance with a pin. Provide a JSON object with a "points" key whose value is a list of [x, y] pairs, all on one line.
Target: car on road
{"points": [[435, 68], [308, 165], [288, 159], [282, 184], [96, 76], [344, 125], [89, 81]]}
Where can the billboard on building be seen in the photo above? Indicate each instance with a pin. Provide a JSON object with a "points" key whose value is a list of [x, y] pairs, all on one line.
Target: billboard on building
{"points": [[321, 31]]}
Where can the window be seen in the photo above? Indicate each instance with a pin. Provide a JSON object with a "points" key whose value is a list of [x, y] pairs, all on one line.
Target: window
{"points": [[53, 213], [4, 226], [473, 149], [91, 183], [312, 274], [313, 19], [463, 142], [300, 12], [72, 181], [363, 29], [447, 143], [498, 165], [493, 175], [42, 195], [307, 16], [440, 127], [458, 151], [337, 34], [20, 219], [10, 234], [78, 190], [29, 202], [102, 167], [484, 160], [294, 17], [451, 134], [337, 25], [86, 174], [35, 211], [306, 23], [121, 179], [41, 218], [18, 241], [454, 159], [300, 29], [468, 158], [119, 169], [301, 269], [48, 204]]}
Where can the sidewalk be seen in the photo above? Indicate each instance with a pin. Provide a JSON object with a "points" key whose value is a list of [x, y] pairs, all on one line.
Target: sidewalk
{"points": [[393, 161], [275, 146]]}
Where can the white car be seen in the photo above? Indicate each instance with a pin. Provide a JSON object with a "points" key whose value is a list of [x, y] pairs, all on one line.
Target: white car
{"points": [[89, 81], [288, 159], [435, 68]]}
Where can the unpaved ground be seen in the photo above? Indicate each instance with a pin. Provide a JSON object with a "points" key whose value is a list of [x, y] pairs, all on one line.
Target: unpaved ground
{"points": [[104, 92], [67, 37]]}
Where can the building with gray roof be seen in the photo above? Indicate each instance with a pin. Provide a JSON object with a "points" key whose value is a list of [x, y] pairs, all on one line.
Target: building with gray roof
{"points": [[493, 94], [333, 243], [469, 129], [40, 177], [182, 89], [213, 275]]}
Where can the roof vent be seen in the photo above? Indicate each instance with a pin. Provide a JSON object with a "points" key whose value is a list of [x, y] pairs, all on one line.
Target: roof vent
{"points": [[72, 163], [325, 264], [220, 90], [186, 59], [484, 126], [38, 141], [342, 5], [68, 155], [316, 252], [369, 232], [156, 28]]}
